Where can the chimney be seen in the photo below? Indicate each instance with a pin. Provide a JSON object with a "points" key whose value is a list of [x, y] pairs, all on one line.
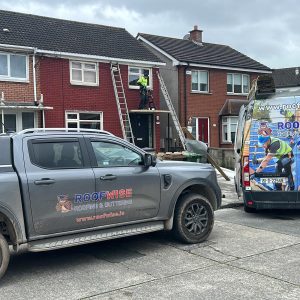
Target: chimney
{"points": [[196, 34]]}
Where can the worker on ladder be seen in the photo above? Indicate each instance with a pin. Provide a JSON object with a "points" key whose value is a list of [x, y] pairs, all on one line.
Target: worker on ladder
{"points": [[143, 82]]}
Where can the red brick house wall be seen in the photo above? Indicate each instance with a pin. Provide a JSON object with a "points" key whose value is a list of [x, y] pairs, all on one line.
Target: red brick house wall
{"points": [[21, 91], [208, 104], [62, 95]]}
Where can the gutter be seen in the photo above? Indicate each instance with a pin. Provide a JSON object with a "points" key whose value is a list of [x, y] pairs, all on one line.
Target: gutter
{"points": [[225, 68], [97, 57]]}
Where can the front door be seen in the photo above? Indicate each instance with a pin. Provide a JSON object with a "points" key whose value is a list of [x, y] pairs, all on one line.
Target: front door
{"points": [[59, 184], [142, 128], [203, 130], [125, 189]]}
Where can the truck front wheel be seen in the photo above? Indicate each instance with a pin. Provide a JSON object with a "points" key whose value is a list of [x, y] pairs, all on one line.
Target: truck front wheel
{"points": [[4, 255], [193, 219]]}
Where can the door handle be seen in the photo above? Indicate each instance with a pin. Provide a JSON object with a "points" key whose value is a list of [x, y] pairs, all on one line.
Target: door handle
{"points": [[44, 181], [108, 177]]}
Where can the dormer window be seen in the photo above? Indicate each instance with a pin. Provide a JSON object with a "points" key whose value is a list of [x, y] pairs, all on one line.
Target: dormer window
{"points": [[13, 67]]}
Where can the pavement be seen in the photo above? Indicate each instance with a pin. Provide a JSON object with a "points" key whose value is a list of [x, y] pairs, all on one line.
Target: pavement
{"points": [[230, 198], [247, 256]]}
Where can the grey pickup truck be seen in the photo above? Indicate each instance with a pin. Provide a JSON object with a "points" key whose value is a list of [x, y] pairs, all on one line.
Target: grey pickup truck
{"points": [[62, 188]]}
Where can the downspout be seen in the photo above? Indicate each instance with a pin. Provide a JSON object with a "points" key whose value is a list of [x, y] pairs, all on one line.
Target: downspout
{"points": [[185, 94], [34, 76]]}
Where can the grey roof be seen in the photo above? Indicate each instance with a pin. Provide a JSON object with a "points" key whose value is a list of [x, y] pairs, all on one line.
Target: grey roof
{"points": [[206, 53], [286, 77], [71, 37]]}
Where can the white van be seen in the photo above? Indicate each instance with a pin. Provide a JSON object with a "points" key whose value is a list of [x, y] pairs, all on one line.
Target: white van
{"points": [[267, 147]]}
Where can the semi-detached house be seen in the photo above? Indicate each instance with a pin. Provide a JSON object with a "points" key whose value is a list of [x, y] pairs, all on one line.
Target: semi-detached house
{"points": [[58, 73], [207, 83]]}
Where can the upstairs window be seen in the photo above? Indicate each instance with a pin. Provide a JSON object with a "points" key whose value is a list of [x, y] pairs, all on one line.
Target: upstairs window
{"points": [[200, 81], [13, 67], [238, 83], [134, 73], [84, 73]]}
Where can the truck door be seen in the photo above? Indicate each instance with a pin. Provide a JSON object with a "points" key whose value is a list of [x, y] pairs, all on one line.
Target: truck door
{"points": [[59, 176], [238, 143], [126, 189]]}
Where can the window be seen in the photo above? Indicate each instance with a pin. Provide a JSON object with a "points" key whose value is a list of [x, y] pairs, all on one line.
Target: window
{"points": [[87, 120], [238, 83], [13, 67], [200, 81], [17, 121], [134, 73], [112, 155], [84, 73], [229, 125], [55, 155]]}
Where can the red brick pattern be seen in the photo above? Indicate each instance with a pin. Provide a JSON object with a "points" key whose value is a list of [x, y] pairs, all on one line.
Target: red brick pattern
{"points": [[21, 92], [62, 95], [207, 105]]}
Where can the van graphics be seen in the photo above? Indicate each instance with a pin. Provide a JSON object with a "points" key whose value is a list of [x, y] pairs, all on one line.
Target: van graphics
{"points": [[274, 144], [96, 200]]}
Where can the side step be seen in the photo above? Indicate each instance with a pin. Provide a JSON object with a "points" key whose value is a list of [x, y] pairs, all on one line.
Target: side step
{"points": [[93, 236]]}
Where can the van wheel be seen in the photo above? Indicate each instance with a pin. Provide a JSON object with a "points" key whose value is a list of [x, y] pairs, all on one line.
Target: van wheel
{"points": [[193, 219], [4, 255], [249, 210]]}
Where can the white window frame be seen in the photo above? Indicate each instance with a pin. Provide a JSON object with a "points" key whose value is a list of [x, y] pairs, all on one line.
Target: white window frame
{"points": [[78, 121], [242, 80], [140, 73], [9, 77], [19, 120], [82, 82], [231, 120], [199, 83]]}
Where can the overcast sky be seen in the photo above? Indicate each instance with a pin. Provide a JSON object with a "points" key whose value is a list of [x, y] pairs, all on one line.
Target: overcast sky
{"points": [[266, 30]]}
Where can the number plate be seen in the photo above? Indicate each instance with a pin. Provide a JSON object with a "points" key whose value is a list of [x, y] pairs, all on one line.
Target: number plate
{"points": [[273, 180]]}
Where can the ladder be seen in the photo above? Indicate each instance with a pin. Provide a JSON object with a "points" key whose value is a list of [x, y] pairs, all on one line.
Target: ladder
{"points": [[172, 110], [121, 102]]}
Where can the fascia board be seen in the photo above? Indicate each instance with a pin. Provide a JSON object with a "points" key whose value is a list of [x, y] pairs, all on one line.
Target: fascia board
{"points": [[226, 68], [96, 58], [174, 61], [19, 48]]}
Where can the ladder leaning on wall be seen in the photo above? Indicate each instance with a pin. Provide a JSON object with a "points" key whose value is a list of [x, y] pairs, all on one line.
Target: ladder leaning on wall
{"points": [[121, 102], [172, 110]]}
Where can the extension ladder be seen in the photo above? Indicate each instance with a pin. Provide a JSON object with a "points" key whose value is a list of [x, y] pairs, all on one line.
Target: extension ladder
{"points": [[172, 110], [121, 102]]}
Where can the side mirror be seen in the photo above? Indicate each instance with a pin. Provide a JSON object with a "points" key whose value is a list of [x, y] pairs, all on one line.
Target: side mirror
{"points": [[149, 160]]}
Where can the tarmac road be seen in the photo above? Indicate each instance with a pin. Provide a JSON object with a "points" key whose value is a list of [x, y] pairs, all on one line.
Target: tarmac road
{"points": [[247, 256]]}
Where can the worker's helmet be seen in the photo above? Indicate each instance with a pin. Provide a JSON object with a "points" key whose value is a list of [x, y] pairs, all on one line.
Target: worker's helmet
{"points": [[262, 139]]}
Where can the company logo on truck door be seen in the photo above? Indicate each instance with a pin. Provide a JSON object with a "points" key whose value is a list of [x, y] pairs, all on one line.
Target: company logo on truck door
{"points": [[96, 200], [103, 195]]}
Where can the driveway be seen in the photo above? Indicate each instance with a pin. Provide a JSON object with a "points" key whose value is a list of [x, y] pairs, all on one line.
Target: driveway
{"points": [[247, 256]]}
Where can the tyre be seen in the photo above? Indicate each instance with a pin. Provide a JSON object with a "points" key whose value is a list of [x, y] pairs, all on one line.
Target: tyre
{"points": [[4, 255], [193, 219], [249, 210]]}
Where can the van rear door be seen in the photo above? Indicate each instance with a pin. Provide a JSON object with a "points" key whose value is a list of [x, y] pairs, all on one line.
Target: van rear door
{"points": [[238, 143]]}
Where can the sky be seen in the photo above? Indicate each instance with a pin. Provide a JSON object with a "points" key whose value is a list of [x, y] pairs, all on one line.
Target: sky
{"points": [[265, 30]]}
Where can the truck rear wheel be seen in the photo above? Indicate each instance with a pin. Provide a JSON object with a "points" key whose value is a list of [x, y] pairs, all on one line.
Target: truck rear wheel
{"points": [[4, 255], [193, 219]]}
